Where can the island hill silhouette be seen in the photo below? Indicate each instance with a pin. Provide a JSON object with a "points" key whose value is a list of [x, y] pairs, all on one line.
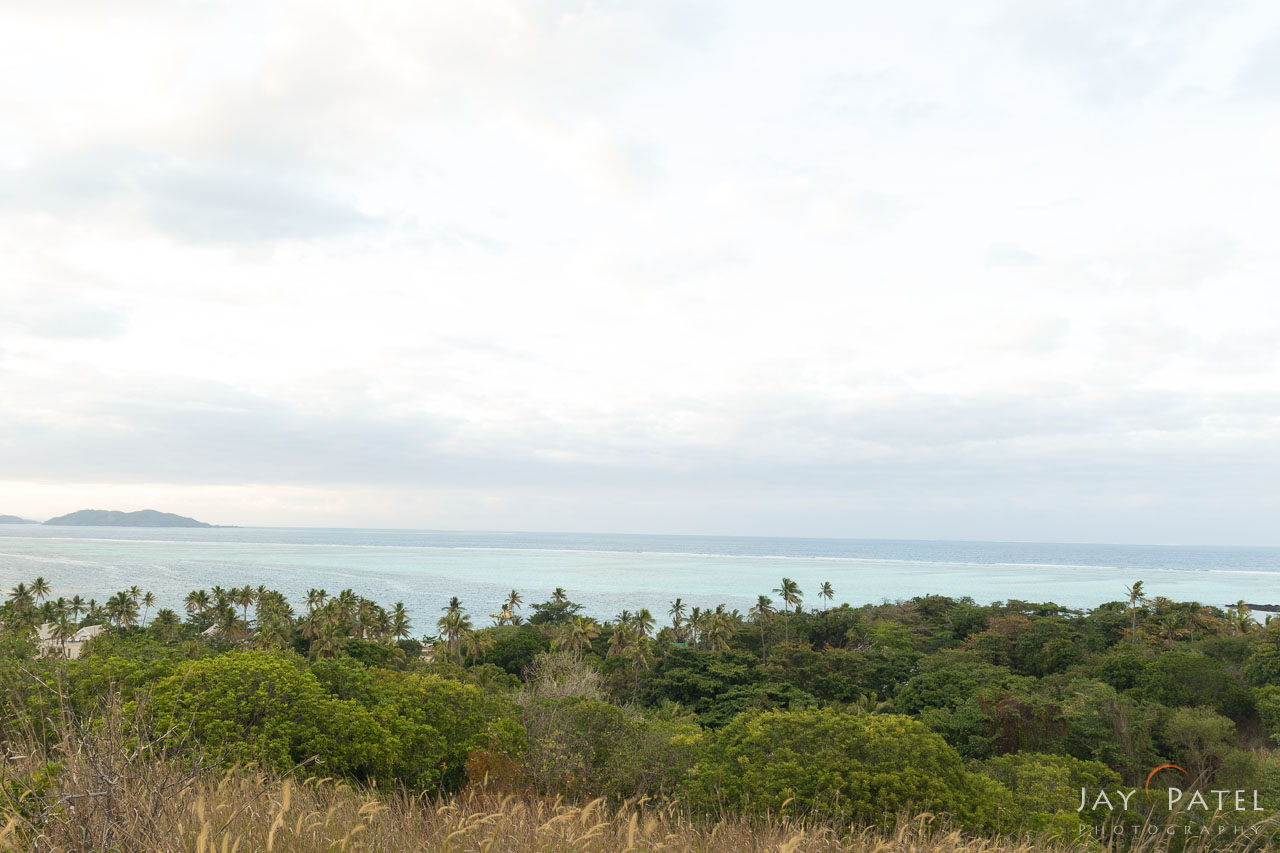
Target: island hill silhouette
{"points": [[115, 518]]}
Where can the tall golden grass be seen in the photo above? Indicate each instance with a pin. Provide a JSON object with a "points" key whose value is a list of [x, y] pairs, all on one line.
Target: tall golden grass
{"points": [[248, 811], [244, 810]]}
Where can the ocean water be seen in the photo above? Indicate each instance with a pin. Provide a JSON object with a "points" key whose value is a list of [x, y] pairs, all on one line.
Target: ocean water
{"points": [[609, 573]]}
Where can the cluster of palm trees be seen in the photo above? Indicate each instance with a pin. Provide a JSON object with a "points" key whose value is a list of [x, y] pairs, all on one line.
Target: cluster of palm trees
{"points": [[506, 614], [30, 606], [572, 635], [458, 633], [630, 635], [328, 623], [225, 614], [332, 620], [711, 629], [1160, 619], [222, 613]]}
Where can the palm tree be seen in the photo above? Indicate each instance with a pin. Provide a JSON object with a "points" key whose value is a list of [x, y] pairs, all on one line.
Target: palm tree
{"points": [[380, 624], [694, 625], [581, 631], [311, 625], [76, 606], [477, 643], [273, 606], [63, 629], [197, 601], [719, 629], [1171, 626], [644, 622], [453, 626], [826, 592], [243, 597], [315, 599], [791, 595], [347, 601], [148, 602], [400, 624], [135, 593], [677, 617], [166, 623], [122, 609], [622, 638], [640, 653], [559, 596], [326, 641], [1136, 597], [269, 636], [1201, 618], [48, 611], [229, 626], [23, 620], [40, 589], [1240, 617], [366, 618], [514, 601], [20, 597], [761, 613]]}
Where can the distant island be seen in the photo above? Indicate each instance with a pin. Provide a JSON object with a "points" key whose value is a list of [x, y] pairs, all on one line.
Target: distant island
{"points": [[115, 518], [13, 519]]}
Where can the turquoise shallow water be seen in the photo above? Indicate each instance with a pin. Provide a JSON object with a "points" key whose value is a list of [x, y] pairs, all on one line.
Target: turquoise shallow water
{"points": [[608, 573]]}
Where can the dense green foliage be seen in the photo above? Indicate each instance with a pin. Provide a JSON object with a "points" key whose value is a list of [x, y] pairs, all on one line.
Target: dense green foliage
{"points": [[997, 715], [864, 769]]}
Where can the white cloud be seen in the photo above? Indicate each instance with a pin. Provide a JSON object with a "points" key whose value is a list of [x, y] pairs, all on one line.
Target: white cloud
{"points": [[645, 266]]}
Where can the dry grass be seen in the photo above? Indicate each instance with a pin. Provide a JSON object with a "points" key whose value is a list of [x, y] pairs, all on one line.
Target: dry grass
{"points": [[244, 811], [247, 811]]}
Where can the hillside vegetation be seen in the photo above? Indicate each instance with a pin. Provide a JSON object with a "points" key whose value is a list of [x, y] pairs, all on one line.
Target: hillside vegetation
{"points": [[933, 722]]}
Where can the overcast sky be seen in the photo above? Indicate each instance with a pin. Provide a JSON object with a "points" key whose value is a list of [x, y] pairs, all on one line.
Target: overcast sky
{"points": [[986, 270]]}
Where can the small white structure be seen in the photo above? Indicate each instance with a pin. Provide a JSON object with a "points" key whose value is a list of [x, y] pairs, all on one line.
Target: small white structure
{"points": [[71, 649]]}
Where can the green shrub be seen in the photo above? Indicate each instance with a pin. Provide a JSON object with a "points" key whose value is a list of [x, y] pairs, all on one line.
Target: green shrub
{"points": [[583, 746], [514, 648], [266, 707], [373, 654], [853, 769], [1268, 701], [1181, 679], [696, 679], [1263, 663], [433, 723], [1199, 740], [1046, 788], [973, 704]]}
